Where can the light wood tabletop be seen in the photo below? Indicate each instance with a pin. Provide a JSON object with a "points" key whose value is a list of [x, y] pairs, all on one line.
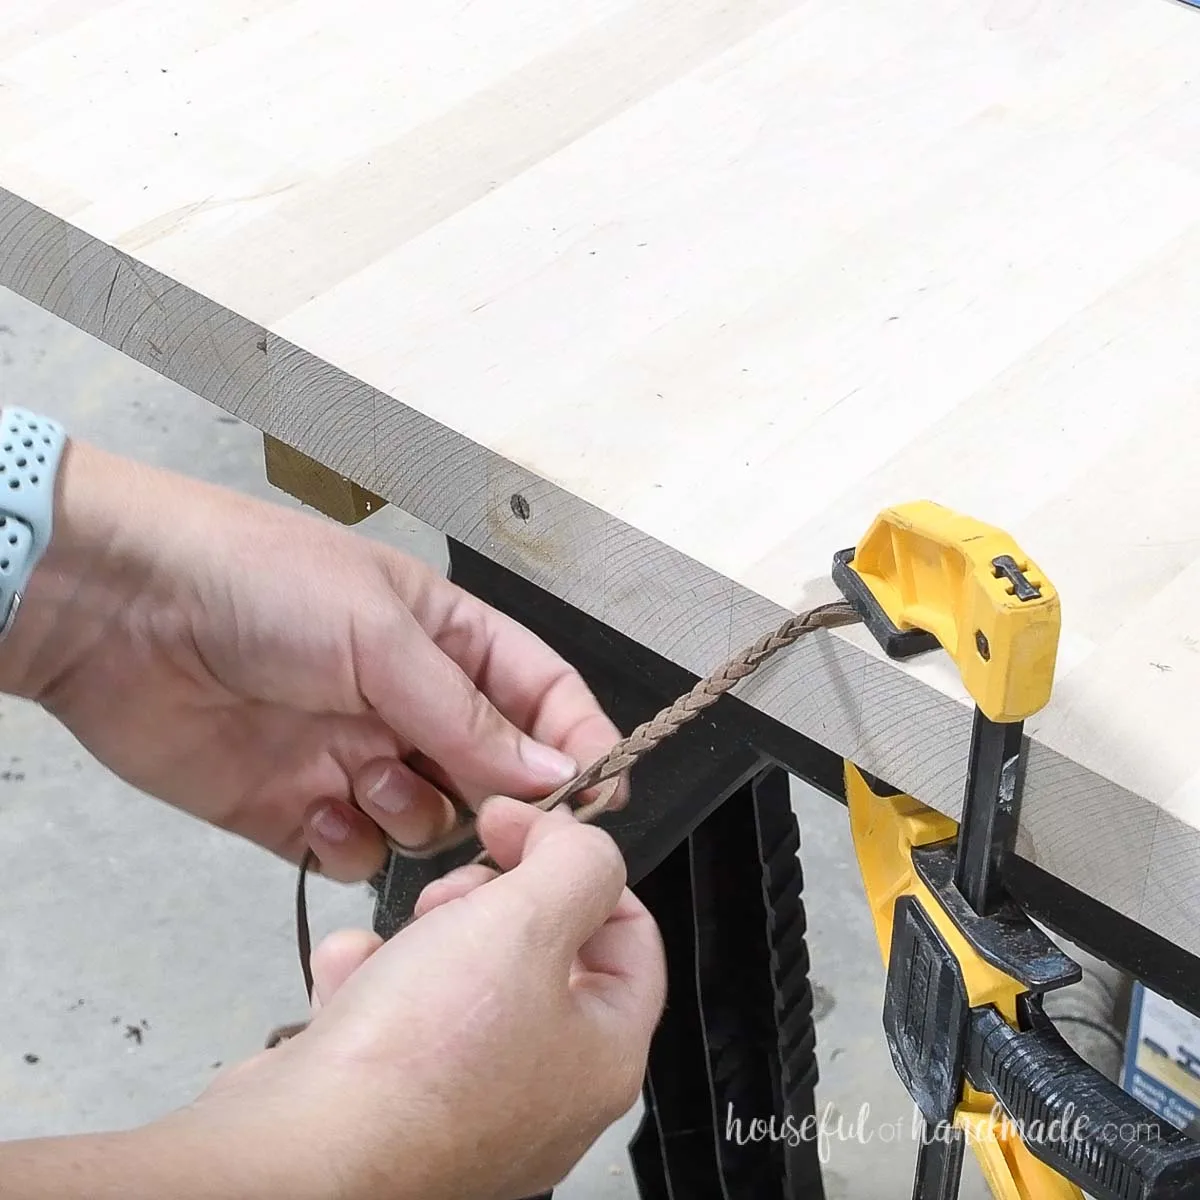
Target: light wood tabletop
{"points": [[659, 302]]}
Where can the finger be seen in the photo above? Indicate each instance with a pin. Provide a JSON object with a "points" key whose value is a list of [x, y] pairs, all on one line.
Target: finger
{"points": [[452, 886], [431, 703], [407, 807], [568, 881], [542, 694], [337, 958], [347, 843]]}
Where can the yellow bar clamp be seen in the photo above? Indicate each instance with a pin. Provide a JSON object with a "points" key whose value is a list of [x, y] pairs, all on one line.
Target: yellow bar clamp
{"points": [[886, 830], [969, 585]]}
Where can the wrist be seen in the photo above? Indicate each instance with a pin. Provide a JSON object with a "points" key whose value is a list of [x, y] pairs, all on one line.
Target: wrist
{"points": [[171, 1158], [186, 1154], [81, 582]]}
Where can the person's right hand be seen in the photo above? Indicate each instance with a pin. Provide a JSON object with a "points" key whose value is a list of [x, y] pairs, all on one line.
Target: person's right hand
{"points": [[477, 1054]]}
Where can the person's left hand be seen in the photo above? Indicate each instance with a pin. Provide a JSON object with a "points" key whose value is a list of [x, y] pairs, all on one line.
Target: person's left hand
{"points": [[268, 671]]}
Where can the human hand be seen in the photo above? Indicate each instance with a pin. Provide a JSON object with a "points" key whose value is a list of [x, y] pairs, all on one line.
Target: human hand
{"points": [[477, 1054], [279, 676]]}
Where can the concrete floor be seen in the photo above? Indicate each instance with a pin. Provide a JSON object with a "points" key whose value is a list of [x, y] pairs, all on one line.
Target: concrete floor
{"points": [[140, 950]]}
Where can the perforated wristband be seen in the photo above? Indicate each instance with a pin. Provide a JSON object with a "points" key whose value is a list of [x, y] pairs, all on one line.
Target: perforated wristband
{"points": [[30, 449]]}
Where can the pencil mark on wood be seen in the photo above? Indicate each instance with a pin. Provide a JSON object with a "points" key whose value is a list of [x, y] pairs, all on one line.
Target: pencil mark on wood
{"points": [[108, 295]]}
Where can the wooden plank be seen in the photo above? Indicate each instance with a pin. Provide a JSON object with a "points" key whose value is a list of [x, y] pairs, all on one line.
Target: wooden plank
{"points": [[706, 285]]}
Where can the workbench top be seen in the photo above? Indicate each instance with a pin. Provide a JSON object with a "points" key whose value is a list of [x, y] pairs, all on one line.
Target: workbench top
{"points": [[659, 303]]}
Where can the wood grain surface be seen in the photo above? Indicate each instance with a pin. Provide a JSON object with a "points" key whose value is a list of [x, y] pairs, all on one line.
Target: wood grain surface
{"points": [[707, 285]]}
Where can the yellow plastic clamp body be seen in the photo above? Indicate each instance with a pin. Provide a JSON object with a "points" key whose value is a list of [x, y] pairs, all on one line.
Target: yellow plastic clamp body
{"points": [[931, 568], [886, 830]]}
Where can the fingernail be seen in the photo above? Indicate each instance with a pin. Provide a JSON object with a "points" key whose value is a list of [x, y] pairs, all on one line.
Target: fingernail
{"points": [[330, 824], [418, 830], [551, 765], [387, 794]]}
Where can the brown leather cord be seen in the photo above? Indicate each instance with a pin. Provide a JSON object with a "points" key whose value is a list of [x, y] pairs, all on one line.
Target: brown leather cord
{"points": [[608, 769]]}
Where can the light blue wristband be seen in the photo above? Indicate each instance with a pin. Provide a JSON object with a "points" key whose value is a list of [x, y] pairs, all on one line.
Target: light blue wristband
{"points": [[30, 450]]}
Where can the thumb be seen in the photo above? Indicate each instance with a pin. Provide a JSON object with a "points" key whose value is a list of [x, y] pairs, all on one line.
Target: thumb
{"points": [[565, 881], [426, 698], [624, 955], [337, 958]]}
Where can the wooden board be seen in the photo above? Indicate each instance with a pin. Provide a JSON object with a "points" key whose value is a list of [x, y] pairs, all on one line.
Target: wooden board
{"points": [[707, 284]]}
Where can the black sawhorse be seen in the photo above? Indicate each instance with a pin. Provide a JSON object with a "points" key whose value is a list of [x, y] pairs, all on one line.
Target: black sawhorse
{"points": [[724, 882]]}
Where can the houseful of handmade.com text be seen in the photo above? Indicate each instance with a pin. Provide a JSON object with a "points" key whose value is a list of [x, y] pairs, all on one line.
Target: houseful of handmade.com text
{"points": [[831, 1126]]}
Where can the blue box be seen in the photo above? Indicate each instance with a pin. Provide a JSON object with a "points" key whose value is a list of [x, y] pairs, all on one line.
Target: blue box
{"points": [[1162, 1059]]}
